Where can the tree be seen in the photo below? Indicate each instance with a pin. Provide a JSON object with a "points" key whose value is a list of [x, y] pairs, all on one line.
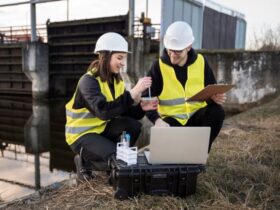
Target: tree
{"points": [[268, 39]]}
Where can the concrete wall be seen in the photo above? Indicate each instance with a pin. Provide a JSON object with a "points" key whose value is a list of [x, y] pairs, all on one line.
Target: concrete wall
{"points": [[255, 74]]}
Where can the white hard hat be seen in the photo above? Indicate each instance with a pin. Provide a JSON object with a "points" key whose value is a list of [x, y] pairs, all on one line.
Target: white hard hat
{"points": [[178, 36], [111, 41]]}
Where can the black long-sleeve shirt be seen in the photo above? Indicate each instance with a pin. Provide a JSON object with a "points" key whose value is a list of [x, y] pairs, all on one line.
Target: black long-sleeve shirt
{"points": [[89, 96], [181, 75]]}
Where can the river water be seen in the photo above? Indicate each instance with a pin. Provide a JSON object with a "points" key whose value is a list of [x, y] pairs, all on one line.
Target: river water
{"points": [[34, 153]]}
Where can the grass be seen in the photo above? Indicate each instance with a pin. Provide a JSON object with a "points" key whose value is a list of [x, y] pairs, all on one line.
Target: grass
{"points": [[243, 172]]}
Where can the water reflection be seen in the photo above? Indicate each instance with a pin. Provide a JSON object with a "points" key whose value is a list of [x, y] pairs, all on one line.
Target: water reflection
{"points": [[34, 153]]}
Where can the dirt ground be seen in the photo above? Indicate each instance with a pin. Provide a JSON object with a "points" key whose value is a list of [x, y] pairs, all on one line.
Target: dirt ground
{"points": [[243, 172]]}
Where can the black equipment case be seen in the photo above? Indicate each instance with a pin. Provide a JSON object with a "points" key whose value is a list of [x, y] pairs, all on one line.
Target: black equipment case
{"points": [[165, 179]]}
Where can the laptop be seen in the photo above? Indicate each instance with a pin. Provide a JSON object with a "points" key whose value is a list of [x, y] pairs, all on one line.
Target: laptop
{"points": [[178, 145]]}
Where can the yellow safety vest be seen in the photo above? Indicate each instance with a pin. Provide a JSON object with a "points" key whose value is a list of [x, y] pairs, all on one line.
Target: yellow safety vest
{"points": [[81, 121], [172, 100]]}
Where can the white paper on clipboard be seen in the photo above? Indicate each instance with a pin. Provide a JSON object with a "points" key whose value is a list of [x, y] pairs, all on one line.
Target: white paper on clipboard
{"points": [[210, 90]]}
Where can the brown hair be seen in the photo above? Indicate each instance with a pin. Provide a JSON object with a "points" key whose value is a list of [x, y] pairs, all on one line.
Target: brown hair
{"points": [[101, 67]]}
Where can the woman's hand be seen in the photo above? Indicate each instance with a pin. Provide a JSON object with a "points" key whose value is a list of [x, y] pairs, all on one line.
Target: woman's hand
{"points": [[147, 105], [160, 123], [219, 98], [141, 86]]}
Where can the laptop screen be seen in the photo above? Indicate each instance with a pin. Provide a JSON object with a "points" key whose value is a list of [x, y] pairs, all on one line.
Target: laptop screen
{"points": [[179, 145]]}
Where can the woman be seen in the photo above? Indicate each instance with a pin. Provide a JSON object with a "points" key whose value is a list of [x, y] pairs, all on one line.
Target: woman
{"points": [[101, 109]]}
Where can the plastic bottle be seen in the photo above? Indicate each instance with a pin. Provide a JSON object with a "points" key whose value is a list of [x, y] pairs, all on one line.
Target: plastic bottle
{"points": [[127, 140], [123, 137]]}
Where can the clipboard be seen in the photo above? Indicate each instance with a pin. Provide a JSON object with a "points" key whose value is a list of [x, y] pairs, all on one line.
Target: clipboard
{"points": [[210, 90]]}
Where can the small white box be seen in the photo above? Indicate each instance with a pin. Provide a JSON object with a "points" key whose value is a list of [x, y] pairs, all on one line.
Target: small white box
{"points": [[127, 154]]}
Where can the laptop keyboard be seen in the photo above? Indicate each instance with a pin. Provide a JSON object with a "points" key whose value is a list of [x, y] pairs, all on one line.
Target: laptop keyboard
{"points": [[141, 159]]}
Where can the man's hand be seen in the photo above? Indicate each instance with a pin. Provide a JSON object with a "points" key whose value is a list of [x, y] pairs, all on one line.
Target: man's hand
{"points": [[160, 123], [219, 98]]}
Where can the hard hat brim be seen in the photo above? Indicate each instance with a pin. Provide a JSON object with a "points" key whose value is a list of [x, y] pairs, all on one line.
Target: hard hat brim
{"points": [[96, 53], [179, 46]]}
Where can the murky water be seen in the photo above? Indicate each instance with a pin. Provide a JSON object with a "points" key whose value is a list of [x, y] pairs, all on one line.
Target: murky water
{"points": [[34, 153]]}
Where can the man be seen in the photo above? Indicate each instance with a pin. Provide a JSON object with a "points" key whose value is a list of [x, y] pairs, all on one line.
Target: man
{"points": [[179, 74]]}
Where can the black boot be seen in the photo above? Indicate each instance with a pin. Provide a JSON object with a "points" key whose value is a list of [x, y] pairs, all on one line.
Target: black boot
{"points": [[83, 173]]}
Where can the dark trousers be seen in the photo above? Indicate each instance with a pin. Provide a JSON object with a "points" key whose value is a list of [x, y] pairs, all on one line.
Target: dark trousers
{"points": [[97, 148], [212, 116]]}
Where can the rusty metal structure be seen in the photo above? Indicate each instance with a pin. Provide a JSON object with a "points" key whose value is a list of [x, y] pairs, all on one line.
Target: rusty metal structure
{"points": [[12, 79], [71, 45], [16, 114], [13, 116]]}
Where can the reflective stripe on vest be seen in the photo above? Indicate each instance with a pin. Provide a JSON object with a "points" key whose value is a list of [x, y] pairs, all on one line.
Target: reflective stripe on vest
{"points": [[172, 100], [80, 121], [83, 115]]}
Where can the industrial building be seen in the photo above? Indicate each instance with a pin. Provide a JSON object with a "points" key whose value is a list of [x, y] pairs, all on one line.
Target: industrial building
{"points": [[214, 26]]}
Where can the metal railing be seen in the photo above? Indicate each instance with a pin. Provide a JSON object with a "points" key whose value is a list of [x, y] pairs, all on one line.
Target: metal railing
{"points": [[151, 31], [17, 34]]}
